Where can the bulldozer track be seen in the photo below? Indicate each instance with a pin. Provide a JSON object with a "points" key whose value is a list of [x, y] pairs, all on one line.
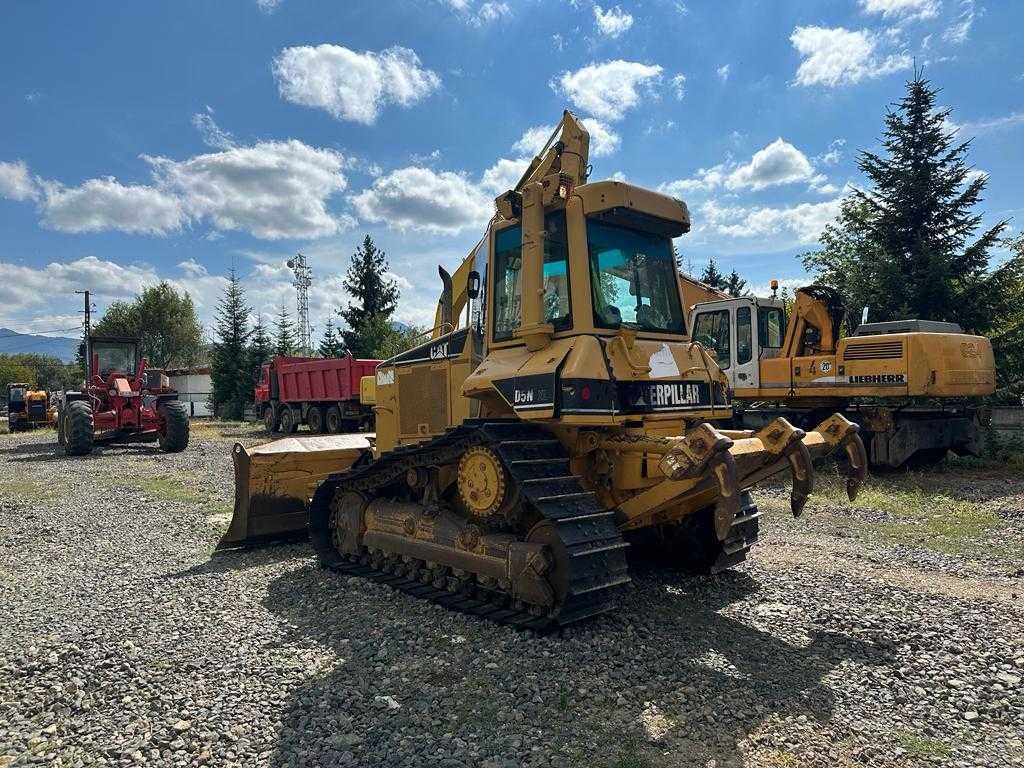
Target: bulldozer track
{"points": [[594, 551]]}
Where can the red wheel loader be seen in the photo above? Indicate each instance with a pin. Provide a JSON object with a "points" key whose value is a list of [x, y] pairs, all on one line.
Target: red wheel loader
{"points": [[122, 401]]}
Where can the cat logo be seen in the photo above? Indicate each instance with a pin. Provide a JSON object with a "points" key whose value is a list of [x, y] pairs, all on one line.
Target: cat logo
{"points": [[385, 378], [439, 351]]}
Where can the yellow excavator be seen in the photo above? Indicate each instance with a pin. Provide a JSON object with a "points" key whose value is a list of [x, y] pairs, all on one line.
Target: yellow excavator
{"points": [[914, 386], [558, 414]]}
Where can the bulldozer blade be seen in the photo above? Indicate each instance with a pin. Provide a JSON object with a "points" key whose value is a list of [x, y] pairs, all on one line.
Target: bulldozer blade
{"points": [[275, 481]]}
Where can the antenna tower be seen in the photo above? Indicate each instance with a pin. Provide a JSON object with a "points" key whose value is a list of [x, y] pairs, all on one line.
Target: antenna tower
{"points": [[303, 280]]}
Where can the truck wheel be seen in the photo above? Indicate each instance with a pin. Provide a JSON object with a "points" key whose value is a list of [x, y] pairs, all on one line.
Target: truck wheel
{"points": [[174, 434], [271, 419], [288, 421], [333, 420], [78, 428], [315, 419]]}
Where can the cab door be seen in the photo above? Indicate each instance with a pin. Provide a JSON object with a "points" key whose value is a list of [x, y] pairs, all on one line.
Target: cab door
{"points": [[745, 371]]}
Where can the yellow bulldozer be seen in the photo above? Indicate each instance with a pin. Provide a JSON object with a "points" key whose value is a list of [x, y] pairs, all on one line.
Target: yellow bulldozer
{"points": [[914, 386], [559, 414]]}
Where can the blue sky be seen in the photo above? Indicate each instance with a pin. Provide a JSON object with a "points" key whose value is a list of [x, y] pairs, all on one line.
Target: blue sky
{"points": [[148, 141]]}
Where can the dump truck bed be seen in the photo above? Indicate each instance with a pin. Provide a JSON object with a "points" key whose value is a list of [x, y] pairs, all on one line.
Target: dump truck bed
{"points": [[320, 380]]}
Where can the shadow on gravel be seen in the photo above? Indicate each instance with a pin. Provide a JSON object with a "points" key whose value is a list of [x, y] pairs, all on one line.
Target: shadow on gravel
{"points": [[33, 452], [243, 559], [669, 669]]}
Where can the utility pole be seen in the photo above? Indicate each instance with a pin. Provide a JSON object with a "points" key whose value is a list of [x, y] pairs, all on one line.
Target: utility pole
{"points": [[303, 280], [87, 330]]}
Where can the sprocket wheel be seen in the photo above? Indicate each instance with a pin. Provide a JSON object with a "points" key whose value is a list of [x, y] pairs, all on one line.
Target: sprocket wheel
{"points": [[482, 482]]}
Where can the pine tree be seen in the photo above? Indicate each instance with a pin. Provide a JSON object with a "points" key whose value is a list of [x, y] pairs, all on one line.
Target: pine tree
{"points": [[375, 298], [330, 344], [260, 348], [907, 247], [712, 276], [284, 334], [230, 375], [734, 284]]}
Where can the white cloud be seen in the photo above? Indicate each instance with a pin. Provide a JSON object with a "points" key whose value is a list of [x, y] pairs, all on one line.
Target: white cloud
{"points": [[268, 6], [104, 203], [986, 125], [350, 85], [212, 134], [426, 200], [604, 140], [27, 287], [679, 85], [777, 163], [723, 72], [907, 9], [796, 224], [834, 153], [491, 11], [16, 183], [193, 268], [839, 56], [613, 22], [503, 175], [610, 89], [958, 32], [273, 189]]}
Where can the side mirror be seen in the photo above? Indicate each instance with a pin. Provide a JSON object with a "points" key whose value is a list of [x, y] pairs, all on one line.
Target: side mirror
{"points": [[473, 284]]}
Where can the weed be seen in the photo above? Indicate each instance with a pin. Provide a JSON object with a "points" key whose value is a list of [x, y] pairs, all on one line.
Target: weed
{"points": [[563, 697], [925, 747]]}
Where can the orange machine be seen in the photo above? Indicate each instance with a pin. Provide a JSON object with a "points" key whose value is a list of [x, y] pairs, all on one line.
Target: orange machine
{"points": [[912, 385]]}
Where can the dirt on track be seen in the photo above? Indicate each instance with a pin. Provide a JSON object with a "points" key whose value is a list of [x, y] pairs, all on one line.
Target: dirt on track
{"points": [[871, 634]]}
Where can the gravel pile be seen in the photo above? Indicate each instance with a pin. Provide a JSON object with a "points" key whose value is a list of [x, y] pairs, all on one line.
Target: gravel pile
{"points": [[122, 643]]}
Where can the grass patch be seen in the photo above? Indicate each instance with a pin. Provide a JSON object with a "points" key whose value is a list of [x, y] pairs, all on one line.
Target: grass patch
{"points": [[923, 747], [214, 429], [912, 516], [631, 755], [27, 489], [170, 488]]}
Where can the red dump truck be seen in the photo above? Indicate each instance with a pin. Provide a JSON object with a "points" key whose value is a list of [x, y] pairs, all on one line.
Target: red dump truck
{"points": [[320, 392]]}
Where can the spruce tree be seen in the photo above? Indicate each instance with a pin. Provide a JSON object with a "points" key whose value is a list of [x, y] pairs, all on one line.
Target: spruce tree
{"points": [[907, 246], [375, 298], [260, 348], [712, 276], [230, 375], [735, 285], [330, 344], [284, 334]]}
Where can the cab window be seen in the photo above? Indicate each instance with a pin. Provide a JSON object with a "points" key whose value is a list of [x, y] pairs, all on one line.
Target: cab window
{"points": [[508, 261], [712, 330], [557, 308], [771, 330], [744, 336]]}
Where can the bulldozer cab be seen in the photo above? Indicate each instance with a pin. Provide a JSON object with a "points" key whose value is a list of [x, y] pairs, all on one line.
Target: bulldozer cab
{"points": [[741, 332]]}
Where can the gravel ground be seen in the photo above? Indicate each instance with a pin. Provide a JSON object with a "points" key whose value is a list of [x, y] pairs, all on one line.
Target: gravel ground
{"points": [[123, 643]]}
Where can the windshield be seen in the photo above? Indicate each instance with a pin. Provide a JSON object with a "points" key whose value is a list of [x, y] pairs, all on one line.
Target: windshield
{"points": [[633, 279], [114, 357]]}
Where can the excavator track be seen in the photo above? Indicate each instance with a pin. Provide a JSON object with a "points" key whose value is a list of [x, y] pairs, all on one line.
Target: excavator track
{"points": [[589, 552]]}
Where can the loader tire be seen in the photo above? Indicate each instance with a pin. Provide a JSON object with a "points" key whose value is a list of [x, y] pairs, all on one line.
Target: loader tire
{"points": [[78, 429], [333, 420], [174, 436], [315, 419], [289, 422]]}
